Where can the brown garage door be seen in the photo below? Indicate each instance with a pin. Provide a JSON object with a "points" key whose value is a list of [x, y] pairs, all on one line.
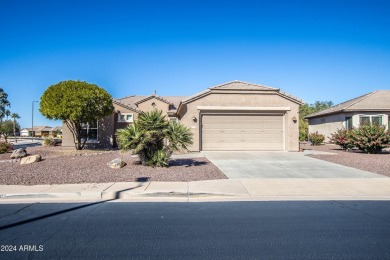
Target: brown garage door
{"points": [[242, 132]]}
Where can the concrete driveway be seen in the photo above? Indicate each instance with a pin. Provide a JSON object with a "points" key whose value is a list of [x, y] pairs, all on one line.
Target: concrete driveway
{"points": [[281, 165]]}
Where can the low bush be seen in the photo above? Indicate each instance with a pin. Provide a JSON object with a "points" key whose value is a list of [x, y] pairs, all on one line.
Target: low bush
{"points": [[370, 138], [342, 138], [316, 138], [5, 147], [49, 141]]}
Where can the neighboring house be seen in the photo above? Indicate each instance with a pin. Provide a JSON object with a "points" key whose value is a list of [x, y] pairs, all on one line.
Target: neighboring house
{"points": [[25, 132], [232, 116], [372, 108], [40, 131]]}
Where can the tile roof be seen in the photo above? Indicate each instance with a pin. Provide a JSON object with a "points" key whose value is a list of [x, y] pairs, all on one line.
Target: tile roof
{"points": [[132, 101], [241, 85], [128, 105], [374, 101]]}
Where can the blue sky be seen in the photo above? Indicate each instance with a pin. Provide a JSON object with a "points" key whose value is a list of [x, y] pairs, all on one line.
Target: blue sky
{"points": [[315, 50]]}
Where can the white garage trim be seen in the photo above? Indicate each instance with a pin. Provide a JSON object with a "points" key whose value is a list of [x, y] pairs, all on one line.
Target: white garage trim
{"points": [[244, 108]]}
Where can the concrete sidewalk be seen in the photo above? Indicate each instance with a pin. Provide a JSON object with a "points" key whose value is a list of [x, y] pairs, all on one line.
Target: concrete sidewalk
{"points": [[270, 189]]}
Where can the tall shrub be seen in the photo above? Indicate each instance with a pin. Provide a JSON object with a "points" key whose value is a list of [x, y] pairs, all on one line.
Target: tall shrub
{"points": [[316, 138], [370, 138], [5, 147], [342, 138]]}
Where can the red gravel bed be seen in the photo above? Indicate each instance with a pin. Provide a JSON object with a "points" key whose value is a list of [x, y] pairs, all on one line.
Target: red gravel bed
{"points": [[377, 163], [60, 166]]}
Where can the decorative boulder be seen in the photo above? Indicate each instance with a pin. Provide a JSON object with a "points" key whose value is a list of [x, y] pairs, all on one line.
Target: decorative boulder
{"points": [[19, 153], [31, 159], [116, 163]]}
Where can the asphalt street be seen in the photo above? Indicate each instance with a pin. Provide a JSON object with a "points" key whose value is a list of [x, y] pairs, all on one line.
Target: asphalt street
{"points": [[228, 230]]}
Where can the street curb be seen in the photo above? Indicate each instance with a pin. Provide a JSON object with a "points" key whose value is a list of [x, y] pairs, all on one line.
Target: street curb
{"points": [[39, 195], [168, 197]]}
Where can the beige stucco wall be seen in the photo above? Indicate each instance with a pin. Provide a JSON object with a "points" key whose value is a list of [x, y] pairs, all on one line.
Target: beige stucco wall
{"points": [[107, 127], [327, 125], [243, 100]]}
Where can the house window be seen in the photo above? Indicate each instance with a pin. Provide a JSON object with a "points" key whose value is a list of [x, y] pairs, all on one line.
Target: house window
{"points": [[89, 131], [376, 120], [367, 120], [125, 117], [364, 120], [348, 123]]}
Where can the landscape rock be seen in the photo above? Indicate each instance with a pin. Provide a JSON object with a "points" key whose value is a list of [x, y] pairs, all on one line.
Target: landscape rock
{"points": [[117, 163], [31, 159], [19, 153]]}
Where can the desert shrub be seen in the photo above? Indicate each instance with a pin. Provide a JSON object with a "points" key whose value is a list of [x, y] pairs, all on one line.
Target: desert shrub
{"points": [[316, 138], [370, 138], [5, 147], [49, 141], [153, 138], [342, 138]]}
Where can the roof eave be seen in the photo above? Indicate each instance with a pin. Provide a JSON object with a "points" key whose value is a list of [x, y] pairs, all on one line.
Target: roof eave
{"points": [[125, 106], [151, 97], [347, 111]]}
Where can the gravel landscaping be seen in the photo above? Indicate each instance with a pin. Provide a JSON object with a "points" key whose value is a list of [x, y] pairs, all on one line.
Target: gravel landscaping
{"points": [[378, 163], [59, 166]]}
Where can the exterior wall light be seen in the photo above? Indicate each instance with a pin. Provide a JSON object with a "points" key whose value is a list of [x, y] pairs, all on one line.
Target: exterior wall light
{"points": [[294, 119], [194, 119]]}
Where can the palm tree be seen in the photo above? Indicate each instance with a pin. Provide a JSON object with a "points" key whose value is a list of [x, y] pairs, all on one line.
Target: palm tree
{"points": [[15, 116], [3, 104], [7, 113], [3, 98], [153, 138]]}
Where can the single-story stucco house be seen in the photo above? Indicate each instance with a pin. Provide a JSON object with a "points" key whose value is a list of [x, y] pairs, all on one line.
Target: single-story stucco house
{"points": [[40, 131], [371, 108], [231, 116]]}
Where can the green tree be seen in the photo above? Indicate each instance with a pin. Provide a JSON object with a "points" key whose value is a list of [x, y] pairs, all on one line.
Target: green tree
{"points": [[306, 110], [15, 116], [4, 103], [7, 127], [154, 139], [76, 103]]}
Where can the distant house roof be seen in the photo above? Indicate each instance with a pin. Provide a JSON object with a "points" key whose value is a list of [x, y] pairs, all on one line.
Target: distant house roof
{"points": [[36, 128], [378, 100], [43, 128], [56, 128]]}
